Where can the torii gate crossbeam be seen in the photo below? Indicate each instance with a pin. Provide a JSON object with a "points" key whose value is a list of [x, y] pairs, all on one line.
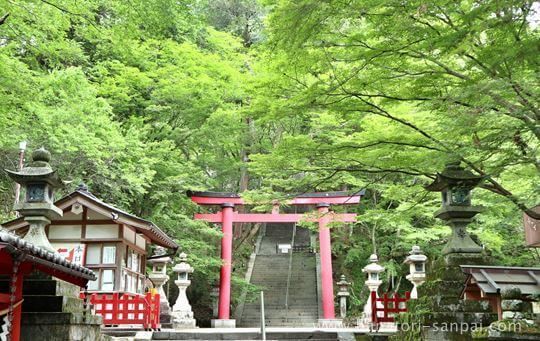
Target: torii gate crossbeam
{"points": [[228, 216]]}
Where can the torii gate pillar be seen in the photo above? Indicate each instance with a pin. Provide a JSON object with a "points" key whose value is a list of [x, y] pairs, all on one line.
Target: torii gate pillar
{"points": [[224, 308], [325, 250]]}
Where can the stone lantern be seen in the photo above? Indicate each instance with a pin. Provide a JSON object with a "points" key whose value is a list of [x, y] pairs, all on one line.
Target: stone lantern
{"points": [[181, 312], [343, 293], [38, 180], [456, 183], [215, 295], [417, 269], [158, 276], [373, 270]]}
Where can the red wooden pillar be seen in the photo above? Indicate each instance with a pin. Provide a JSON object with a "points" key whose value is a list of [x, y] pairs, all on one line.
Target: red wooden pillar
{"points": [[17, 312], [325, 250], [226, 257]]}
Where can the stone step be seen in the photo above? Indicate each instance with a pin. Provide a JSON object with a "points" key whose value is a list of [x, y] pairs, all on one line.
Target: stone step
{"points": [[277, 320], [298, 336], [282, 314], [44, 287], [296, 308], [52, 304], [60, 327], [271, 273], [34, 318]]}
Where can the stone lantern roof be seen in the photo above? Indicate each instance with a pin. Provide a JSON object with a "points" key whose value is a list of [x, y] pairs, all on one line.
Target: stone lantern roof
{"points": [[159, 256], [454, 175], [415, 256], [183, 266], [373, 266], [38, 170]]}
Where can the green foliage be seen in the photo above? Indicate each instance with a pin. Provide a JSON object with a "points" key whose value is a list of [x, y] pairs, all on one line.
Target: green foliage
{"points": [[141, 101], [386, 93], [145, 100]]}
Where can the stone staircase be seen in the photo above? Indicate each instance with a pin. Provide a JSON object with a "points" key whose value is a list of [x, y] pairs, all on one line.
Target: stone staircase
{"points": [[271, 272], [52, 310], [251, 335]]}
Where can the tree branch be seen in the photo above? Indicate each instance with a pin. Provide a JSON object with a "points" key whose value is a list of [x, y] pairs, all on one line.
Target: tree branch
{"points": [[3, 19]]}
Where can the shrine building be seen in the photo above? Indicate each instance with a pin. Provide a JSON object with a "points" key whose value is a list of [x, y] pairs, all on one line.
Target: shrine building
{"points": [[112, 243]]}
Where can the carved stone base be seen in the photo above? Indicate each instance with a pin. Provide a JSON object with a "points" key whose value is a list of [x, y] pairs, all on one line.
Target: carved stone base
{"points": [[183, 320], [217, 323], [165, 316], [184, 323], [330, 323]]}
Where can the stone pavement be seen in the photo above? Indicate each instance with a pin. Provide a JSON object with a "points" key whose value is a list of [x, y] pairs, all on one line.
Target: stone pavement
{"points": [[272, 333]]}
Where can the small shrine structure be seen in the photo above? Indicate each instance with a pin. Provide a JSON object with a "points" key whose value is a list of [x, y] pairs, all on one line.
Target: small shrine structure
{"points": [[18, 260], [109, 241], [487, 283], [87, 232]]}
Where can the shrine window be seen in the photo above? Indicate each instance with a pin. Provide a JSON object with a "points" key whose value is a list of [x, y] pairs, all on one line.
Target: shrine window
{"points": [[107, 280], [132, 273], [101, 258], [100, 254], [104, 280]]}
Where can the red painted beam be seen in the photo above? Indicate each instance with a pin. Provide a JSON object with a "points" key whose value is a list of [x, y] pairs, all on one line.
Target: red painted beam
{"points": [[273, 218], [346, 200], [333, 200], [216, 200]]}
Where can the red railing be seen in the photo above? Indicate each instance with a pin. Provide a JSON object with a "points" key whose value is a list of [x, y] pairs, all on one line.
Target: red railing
{"points": [[390, 306], [127, 309]]}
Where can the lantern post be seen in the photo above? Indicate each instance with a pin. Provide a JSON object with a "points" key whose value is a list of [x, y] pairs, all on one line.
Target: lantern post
{"points": [[417, 269], [158, 276], [181, 312], [373, 281], [39, 181], [343, 294], [456, 184]]}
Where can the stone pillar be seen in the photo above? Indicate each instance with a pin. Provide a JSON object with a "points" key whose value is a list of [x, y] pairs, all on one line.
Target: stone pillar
{"points": [[158, 276], [512, 305], [181, 311], [36, 232], [224, 309], [343, 294]]}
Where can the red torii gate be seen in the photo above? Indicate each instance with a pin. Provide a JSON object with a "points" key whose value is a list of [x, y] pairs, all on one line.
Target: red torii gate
{"points": [[228, 216]]}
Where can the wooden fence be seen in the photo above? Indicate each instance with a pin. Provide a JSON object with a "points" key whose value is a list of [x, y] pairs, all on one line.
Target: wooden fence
{"points": [[390, 307], [127, 309]]}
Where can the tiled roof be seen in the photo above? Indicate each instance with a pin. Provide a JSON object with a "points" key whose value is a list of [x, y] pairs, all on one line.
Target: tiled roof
{"points": [[22, 246], [495, 279]]}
